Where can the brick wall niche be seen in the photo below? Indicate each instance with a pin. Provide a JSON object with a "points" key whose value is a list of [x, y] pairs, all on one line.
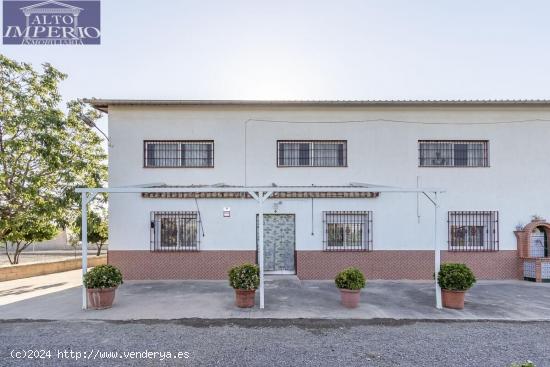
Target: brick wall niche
{"points": [[532, 242]]}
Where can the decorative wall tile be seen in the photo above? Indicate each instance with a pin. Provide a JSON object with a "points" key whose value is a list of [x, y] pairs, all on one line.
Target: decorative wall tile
{"points": [[537, 245], [529, 269]]}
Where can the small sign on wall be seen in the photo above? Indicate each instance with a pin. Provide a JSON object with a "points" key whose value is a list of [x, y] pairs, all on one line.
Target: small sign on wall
{"points": [[227, 212]]}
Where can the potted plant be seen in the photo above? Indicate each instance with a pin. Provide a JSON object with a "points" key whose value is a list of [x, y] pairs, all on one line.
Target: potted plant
{"points": [[524, 364], [350, 281], [455, 280], [101, 283], [244, 279]]}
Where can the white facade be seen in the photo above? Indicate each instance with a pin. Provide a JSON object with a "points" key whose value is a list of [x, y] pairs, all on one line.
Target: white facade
{"points": [[382, 149]]}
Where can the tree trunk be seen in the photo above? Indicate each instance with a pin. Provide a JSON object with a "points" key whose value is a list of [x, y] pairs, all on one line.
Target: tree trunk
{"points": [[16, 254], [99, 246], [18, 250], [8, 253]]}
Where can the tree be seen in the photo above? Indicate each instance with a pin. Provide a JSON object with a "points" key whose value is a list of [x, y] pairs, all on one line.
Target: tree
{"points": [[26, 228], [98, 232], [45, 153]]}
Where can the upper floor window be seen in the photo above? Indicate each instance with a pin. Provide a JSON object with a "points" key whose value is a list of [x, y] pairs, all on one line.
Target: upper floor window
{"points": [[312, 153], [179, 153], [473, 231], [453, 153], [175, 231], [347, 231]]}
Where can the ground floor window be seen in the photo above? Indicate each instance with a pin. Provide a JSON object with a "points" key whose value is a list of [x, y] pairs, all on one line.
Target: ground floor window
{"points": [[473, 231], [175, 231], [347, 231]]}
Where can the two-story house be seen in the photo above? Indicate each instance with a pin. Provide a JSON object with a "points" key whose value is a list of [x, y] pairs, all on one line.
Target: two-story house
{"points": [[490, 157]]}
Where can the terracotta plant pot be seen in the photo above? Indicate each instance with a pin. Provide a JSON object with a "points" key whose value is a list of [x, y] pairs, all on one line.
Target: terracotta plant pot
{"points": [[244, 298], [453, 299], [101, 298], [350, 298]]}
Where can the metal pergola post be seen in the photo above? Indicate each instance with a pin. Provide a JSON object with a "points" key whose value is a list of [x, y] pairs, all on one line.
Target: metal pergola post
{"points": [[261, 197], [84, 245], [437, 255], [437, 250], [86, 198], [261, 251]]}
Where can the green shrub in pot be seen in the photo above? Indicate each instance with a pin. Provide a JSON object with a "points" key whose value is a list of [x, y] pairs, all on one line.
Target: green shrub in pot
{"points": [[101, 283], [103, 276], [455, 277], [454, 280], [524, 364], [350, 281], [245, 276], [350, 278], [245, 279]]}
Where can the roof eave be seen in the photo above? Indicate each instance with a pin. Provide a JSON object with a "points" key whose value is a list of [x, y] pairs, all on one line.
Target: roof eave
{"points": [[103, 104]]}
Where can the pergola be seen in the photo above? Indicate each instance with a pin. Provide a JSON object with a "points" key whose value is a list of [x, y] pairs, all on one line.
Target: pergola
{"points": [[260, 194]]}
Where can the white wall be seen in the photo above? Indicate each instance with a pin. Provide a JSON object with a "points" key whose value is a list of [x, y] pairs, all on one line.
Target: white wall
{"points": [[380, 152]]}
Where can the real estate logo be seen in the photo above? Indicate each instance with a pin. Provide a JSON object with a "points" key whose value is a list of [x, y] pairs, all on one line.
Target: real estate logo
{"points": [[50, 22]]}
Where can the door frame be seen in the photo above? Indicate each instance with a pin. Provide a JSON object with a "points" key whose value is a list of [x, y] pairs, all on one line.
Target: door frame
{"points": [[278, 272]]}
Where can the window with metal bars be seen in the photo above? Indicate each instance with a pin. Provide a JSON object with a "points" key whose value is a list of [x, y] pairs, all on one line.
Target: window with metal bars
{"points": [[312, 153], [473, 231], [178, 153], [453, 153], [347, 231], [175, 231]]}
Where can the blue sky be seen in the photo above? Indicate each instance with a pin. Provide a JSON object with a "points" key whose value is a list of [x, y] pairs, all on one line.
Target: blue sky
{"points": [[240, 49]]}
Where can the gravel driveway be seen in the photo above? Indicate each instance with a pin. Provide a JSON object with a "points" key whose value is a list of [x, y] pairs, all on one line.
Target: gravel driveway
{"points": [[274, 343]]}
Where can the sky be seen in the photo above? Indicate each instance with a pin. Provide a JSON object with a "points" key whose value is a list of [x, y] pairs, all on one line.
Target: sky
{"points": [[308, 49]]}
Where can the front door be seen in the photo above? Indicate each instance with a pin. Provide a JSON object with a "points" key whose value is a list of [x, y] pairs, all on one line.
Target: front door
{"points": [[279, 241]]}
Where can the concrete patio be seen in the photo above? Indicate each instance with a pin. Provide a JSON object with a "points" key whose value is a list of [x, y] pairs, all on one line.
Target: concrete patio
{"points": [[57, 297]]}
